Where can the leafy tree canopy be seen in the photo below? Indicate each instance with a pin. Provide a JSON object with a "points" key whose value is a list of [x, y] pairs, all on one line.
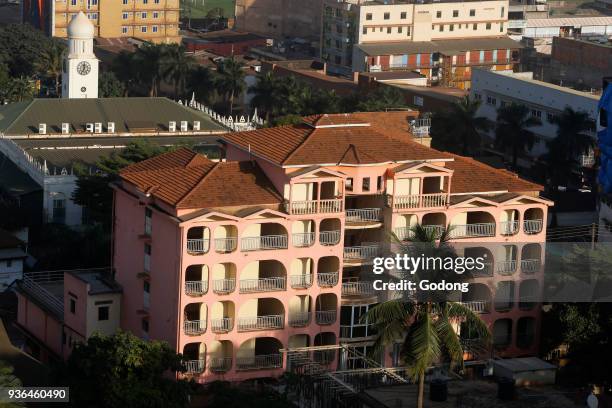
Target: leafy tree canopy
{"points": [[109, 86]]}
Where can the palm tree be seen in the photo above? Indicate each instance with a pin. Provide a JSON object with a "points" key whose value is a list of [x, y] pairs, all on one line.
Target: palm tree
{"points": [[149, 60], [381, 99], [125, 68], [50, 62], [426, 325], [201, 80], [458, 128], [266, 94], [230, 80], [21, 88], [176, 66], [512, 129]]}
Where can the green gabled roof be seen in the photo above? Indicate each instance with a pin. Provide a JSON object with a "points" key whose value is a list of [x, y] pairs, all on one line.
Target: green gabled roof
{"points": [[129, 115]]}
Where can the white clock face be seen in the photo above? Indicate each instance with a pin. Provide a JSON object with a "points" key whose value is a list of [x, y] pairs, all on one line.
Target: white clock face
{"points": [[84, 68]]}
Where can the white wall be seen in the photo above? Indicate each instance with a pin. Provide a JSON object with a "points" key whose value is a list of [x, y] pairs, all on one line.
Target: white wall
{"points": [[61, 186]]}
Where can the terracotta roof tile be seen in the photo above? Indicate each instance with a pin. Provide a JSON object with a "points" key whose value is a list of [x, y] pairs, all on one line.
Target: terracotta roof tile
{"points": [[185, 179]]}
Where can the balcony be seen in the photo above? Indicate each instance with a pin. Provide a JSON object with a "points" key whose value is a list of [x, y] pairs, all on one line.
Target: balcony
{"points": [[329, 237], [357, 288], [260, 362], [477, 306], [327, 280], [224, 286], [508, 227], [220, 364], [314, 206], [198, 246], [303, 239], [196, 288], [505, 267], [530, 265], [299, 319], [406, 234], [363, 217], [273, 284], [264, 242], [406, 202], [194, 327], [261, 323], [302, 281], [532, 226], [222, 325], [473, 230], [361, 253], [194, 366], [225, 245], [325, 317]]}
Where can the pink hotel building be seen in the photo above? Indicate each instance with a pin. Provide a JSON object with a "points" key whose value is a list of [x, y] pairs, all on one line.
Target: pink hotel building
{"points": [[231, 262]]}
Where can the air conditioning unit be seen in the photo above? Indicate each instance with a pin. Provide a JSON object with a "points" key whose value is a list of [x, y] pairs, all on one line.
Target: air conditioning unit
{"points": [[89, 127], [110, 127], [98, 127], [196, 125], [65, 128], [172, 126], [184, 126], [42, 128]]}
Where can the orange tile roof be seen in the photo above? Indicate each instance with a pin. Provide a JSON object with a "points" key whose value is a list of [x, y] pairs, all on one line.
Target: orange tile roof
{"points": [[472, 176], [185, 179]]}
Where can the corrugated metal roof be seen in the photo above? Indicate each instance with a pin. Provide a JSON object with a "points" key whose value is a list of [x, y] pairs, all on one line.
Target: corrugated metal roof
{"points": [[569, 21], [22, 119], [442, 46]]}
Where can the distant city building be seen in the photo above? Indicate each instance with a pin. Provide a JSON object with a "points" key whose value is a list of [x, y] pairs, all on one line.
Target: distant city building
{"points": [[150, 20], [80, 67], [561, 27]]}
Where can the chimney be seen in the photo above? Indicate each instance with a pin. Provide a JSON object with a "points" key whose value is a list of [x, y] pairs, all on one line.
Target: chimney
{"points": [[110, 128], [196, 125], [172, 126], [42, 128], [98, 127], [184, 126], [65, 128]]}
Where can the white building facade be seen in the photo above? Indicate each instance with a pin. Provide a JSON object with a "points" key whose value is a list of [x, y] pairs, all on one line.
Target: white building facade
{"points": [[80, 67]]}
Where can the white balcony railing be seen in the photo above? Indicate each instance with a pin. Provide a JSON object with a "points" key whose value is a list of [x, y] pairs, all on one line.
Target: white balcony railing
{"points": [[259, 362], [532, 226], [329, 237], [222, 325], [194, 366], [224, 286], [359, 288], [198, 246], [263, 242], [303, 239], [196, 288], [263, 285], [330, 206], [325, 316], [194, 327], [508, 227], [261, 322], [505, 267], [220, 364], [328, 279], [406, 233], [477, 306], [314, 206], [403, 202], [300, 281], [487, 270], [530, 265], [225, 244], [363, 215], [363, 252], [299, 319], [473, 230]]}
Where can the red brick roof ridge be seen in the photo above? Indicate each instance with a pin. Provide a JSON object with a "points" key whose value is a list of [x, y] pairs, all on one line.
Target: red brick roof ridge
{"points": [[299, 146], [199, 183]]}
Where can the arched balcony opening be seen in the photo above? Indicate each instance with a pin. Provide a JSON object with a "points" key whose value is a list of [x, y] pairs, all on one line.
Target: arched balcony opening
{"points": [[263, 237], [194, 319], [196, 280], [299, 310], [404, 224], [194, 357], [301, 273], [224, 278], [531, 258], [298, 341], [198, 240], [261, 314], [353, 285], [504, 296], [325, 357], [328, 269], [525, 332], [303, 233], [259, 353], [226, 238], [435, 222], [533, 221], [478, 298], [509, 222], [222, 316], [329, 231], [326, 308], [486, 255], [263, 276], [473, 224], [506, 259], [220, 355], [529, 294], [502, 332]]}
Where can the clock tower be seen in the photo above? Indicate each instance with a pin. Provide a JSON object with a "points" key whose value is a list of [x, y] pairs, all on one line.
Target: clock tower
{"points": [[80, 68]]}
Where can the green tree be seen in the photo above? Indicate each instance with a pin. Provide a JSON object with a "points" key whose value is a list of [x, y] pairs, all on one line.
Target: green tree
{"points": [[425, 325], [458, 128], [230, 80], [512, 130], [176, 67], [21, 89], [201, 81], [8, 380], [381, 99], [50, 62], [5, 81], [266, 94], [149, 60], [20, 47], [109, 86], [125, 67], [124, 371]]}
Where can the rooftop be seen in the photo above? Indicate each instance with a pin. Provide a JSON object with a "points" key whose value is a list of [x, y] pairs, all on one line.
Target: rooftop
{"points": [[446, 47], [570, 21], [130, 116]]}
